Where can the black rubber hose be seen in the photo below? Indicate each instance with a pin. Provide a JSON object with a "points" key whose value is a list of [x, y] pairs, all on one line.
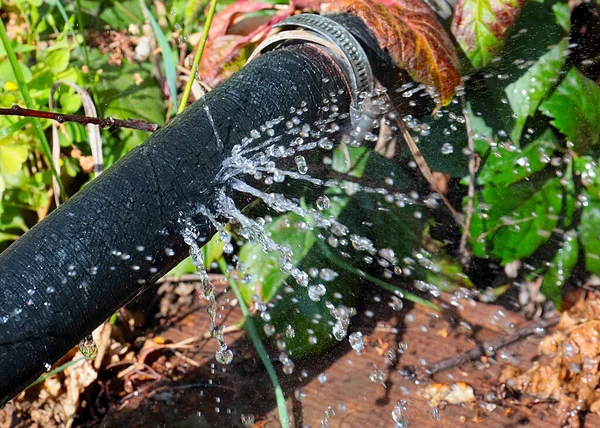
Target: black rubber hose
{"points": [[121, 232]]}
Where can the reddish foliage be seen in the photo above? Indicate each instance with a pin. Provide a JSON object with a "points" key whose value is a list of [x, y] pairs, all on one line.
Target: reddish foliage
{"points": [[411, 33], [407, 29]]}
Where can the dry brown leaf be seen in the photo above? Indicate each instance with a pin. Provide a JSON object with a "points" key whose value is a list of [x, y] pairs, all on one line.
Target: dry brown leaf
{"points": [[571, 377], [451, 393]]}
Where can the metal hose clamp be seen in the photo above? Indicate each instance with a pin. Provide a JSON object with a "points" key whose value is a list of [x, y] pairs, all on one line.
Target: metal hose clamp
{"points": [[328, 33]]}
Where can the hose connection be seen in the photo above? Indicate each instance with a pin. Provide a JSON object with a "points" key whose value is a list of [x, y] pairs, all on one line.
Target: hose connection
{"points": [[343, 48]]}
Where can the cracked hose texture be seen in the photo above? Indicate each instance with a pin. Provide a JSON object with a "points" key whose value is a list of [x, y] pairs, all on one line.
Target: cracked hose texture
{"points": [[121, 232]]}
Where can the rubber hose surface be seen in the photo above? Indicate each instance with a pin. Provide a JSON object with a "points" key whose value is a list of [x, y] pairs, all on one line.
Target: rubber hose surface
{"points": [[121, 232]]}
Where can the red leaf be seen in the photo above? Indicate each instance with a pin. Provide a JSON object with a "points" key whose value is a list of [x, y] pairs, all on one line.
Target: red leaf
{"points": [[408, 29], [223, 20], [410, 32], [226, 53]]}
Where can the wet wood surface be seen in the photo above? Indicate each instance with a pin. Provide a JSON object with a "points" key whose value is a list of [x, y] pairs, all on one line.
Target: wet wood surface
{"points": [[335, 389]]}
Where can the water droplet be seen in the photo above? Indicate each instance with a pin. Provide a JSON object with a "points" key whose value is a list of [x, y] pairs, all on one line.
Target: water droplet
{"points": [[447, 149], [356, 341], [316, 291], [434, 413], [269, 329], [224, 356], [300, 394], [323, 202], [289, 332], [301, 164], [399, 413], [378, 376], [247, 419]]}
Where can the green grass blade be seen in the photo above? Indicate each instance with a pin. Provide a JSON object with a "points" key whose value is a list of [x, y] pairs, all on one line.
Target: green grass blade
{"points": [[167, 55], [82, 31], [376, 281], [14, 127], [56, 371], [14, 63], [198, 57], [260, 348]]}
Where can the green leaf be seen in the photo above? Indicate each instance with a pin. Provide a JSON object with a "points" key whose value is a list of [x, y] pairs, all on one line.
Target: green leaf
{"points": [[120, 96], [447, 275], [589, 235], [480, 27], [508, 164], [186, 266], [561, 267], [516, 219], [7, 74], [575, 109], [264, 268], [167, 55], [70, 103], [192, 7], [213, 250], [526, 94], [12, 158], [563, 16], [58, 60], [350, 160], [120, 14]]}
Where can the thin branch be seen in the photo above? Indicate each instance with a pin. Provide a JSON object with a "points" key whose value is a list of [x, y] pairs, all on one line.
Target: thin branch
{"points": [[109, 122], [462, 249], [425, 170], [492, 347]]}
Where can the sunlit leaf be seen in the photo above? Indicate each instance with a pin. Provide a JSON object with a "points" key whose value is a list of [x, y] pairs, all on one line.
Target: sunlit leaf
{"points": [[481, 26], [12, 157], [575, 109], [526, 94], [58, 60]]}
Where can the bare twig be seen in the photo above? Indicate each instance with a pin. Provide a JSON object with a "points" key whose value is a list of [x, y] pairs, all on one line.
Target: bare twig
{"points": [[488, 348], [425, 170], [140, 125], [462, 249]]}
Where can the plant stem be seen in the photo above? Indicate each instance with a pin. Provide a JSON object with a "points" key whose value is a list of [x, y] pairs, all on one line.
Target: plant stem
{"points": [[463, 249], [14, 63], [260, 348], [199, 52], [140, 125]]}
